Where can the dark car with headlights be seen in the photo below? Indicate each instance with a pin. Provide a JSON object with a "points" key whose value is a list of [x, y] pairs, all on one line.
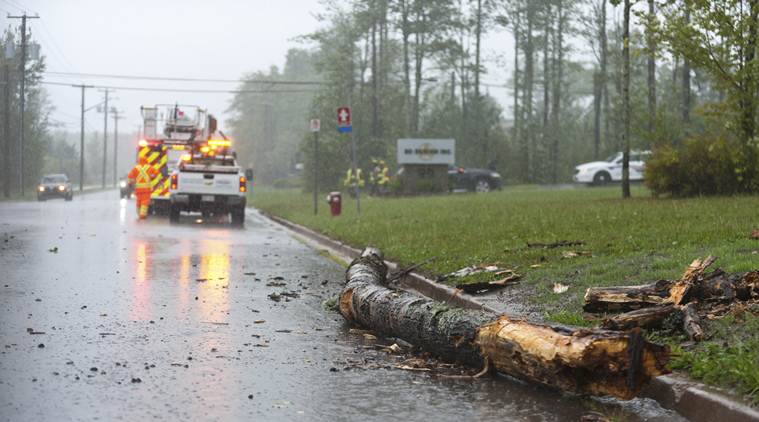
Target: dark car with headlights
{"points": [[54, 186], [473, 179], [126, 188]]}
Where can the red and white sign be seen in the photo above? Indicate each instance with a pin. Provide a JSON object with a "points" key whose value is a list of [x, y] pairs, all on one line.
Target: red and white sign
{"points": [[316, 125], [343, 117]]}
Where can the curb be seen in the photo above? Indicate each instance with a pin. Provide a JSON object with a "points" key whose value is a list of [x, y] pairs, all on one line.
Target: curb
{"points": [[698, 402], [693, 400]]}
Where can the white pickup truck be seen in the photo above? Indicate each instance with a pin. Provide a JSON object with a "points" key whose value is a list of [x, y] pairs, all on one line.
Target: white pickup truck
{"points": [[211, 185]]}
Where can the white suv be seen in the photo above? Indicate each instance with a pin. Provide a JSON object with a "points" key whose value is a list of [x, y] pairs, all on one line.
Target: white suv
{"points": [[610, 170]]}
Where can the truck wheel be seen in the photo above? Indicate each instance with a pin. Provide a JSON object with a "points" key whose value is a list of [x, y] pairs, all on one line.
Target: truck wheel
{"points": [[238, 216], [70, 196], [174, 214]]}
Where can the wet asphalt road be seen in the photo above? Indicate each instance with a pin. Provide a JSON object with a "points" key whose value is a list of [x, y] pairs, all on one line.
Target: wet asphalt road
{"points": [[106, 318]]}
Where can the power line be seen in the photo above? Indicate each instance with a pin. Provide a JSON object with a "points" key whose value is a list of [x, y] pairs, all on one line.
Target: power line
{"points": [[55, 47], [189, 90], [176, 79]]}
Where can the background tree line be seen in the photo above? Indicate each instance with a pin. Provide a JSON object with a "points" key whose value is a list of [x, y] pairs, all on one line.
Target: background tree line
{"points": [[588, 78]]}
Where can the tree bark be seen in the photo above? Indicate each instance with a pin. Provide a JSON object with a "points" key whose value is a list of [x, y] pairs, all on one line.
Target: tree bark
{"points": [[517, 115], [692, 322], [626, 298], [558, 77], [477, 41], [544, 160], [597, 94], [748, 96], [405, 34], [686, 79], [643, 318], [626, 101], [529, 73], [375, 73], [576, 360], [605, 73], [419, 53], [651, 41]]}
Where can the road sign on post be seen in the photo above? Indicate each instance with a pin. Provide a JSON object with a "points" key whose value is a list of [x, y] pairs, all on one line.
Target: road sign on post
{"points": [[344, 120], [316, 125]]}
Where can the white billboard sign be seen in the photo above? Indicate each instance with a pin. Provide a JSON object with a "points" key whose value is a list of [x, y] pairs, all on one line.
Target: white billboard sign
{"points": [[426, 151]]}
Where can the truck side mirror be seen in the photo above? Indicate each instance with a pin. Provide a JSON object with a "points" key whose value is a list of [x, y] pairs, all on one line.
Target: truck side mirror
{"points": [[249, 174]]}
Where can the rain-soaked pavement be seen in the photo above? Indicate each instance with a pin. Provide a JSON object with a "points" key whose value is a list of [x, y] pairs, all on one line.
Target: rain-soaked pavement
{"points": [[105, 318]]}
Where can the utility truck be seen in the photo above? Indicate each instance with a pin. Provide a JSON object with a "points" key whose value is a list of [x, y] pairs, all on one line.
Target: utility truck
{"points": [[209, 181], [169, 131]]}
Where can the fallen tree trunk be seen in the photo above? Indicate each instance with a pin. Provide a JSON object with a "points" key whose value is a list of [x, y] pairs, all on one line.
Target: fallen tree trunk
{"points": [[577, 360]]}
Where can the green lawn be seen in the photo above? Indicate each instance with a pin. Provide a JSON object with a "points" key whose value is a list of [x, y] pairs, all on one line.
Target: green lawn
{"points": [[632, 241]]}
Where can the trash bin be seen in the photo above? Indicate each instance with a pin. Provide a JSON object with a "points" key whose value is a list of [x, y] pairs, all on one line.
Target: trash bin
{"points": [[335, 200]]}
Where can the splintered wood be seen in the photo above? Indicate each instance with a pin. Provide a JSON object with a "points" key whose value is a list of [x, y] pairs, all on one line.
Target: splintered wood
{"points": [[695, 296], [577, 360]]}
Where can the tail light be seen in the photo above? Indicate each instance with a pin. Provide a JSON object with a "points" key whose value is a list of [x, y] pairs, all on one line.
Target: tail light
{"points": [[174, 182], [243, 186]]}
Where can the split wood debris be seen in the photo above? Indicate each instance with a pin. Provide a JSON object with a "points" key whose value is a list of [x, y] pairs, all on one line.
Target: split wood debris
{"points": [[695, 296]]}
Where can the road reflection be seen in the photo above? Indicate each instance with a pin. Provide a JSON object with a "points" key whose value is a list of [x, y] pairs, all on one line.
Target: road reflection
{"points": [[213, 277], [140, 309], [122, 211]]}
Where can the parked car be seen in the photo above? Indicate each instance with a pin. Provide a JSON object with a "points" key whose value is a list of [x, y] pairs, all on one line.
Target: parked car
{"points": [[473, 179], [610, 170], [54, 186], [125, 188]]}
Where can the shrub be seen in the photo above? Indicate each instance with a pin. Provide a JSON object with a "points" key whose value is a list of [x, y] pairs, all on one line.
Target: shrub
{"points": [[702, 166]]}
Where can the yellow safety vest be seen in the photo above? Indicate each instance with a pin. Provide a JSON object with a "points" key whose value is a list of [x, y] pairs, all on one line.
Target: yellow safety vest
{"points": [[143, 179]]}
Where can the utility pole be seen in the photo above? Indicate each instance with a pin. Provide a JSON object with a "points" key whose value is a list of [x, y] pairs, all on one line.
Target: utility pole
{"points": [[81, 139], [116, 118], [22, 98], [105, 134], [7, 132]]}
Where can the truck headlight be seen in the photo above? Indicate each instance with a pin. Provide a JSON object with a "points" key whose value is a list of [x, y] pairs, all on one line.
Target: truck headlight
{"points": [[61, 188], [41, 188], [123, 184], [495, 175]]}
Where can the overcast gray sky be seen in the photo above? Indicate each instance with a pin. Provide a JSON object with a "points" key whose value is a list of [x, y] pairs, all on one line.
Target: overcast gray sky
{"points": [[220, 39]]}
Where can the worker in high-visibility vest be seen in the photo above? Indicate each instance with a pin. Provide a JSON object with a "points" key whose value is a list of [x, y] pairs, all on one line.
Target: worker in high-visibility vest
{"points": [[383, 178], [141, 177], [373, 177], [352, 182]]}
